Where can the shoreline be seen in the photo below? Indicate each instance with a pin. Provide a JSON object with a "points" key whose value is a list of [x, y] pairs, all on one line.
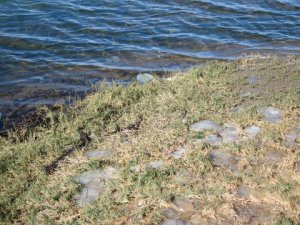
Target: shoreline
{"points": [[18, 118], [208, 145]]}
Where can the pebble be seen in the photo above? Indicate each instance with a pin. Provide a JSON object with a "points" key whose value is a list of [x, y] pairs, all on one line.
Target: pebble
{"points": [[271, 114], [158, 164], [229, 134], [89, 194], [171, 78], [184, 177], [94, 184], [245, 94], [223, 158], [179, 153], [274, 156], [115, 59], [252, 131], [169, 213], [293, 137], [252, 80], [205, 125], [97, 154], [213, 140], [144, 78], [254, 214], [96, 175], [184, 205], [239, 109], [243, 192], [176, 222], [135, 169]]}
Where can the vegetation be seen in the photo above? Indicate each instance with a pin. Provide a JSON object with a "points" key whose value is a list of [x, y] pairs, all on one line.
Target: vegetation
{"points": [[144, 123]]}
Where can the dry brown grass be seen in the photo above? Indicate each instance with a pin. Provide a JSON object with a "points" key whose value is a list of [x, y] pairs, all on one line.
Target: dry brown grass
{"points": [[167, 109]]}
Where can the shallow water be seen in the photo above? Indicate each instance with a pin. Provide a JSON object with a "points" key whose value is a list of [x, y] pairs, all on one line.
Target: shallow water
{"points": [[51, 49]]}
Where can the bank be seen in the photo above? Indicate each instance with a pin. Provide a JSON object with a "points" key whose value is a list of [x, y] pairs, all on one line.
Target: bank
{"points": [[217, 144]]}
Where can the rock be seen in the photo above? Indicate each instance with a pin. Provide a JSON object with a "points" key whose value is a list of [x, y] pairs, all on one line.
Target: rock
{"points": [[298, 139], [115, 59], [293, 137], [253, 214], [184, 205], [252, 80], [184, 177], [97, 154], [238, 109], [223, 158], [199, 219], [144, 78], [274, 156], [169, 213], [229, 134], [89, 194], [179, 153], [252, 131], [245, 94], [94, 184], [135, 169], [158, 164], [108, 173], [176, 222], [171, 78], [205, 125], [243, 192], [271, 114], [213, 140]]}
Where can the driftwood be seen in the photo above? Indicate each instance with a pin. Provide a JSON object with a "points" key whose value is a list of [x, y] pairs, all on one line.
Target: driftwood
{"points": [[84, 142]]}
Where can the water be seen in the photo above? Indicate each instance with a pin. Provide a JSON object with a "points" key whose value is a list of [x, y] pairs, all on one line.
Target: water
{"points": [[51, 50]]}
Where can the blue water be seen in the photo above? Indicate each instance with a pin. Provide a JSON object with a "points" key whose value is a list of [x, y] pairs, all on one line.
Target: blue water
{"points": [[53, 49]]}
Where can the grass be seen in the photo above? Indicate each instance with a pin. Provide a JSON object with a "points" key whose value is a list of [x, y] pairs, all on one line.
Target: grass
{"points": [[165, 109]]}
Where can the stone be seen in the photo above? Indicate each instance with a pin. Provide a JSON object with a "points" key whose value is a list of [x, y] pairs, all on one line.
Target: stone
{"points": [[253, 214], [229, 134], [144, 78], [205, 125], [184, 177], [252, 131], [223, 158], [293, 137], [115, 59], [179, 153], [271, 114], [243, 192], [213, 140], [96, 175], [171, 78], [176, 222], [184, 205], [245, 94], [169, 213], [158, 164], [97, 154], [94, 184], [238, 109], [89, 194], [274, 156], [135, 169], [252, 80]]}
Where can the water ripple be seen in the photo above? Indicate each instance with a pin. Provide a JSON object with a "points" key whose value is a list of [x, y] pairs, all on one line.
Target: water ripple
{"points": [[110, 39]]}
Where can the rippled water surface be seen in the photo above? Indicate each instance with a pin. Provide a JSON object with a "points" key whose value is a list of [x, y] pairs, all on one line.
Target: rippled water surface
{"points": [[51, 49]]}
